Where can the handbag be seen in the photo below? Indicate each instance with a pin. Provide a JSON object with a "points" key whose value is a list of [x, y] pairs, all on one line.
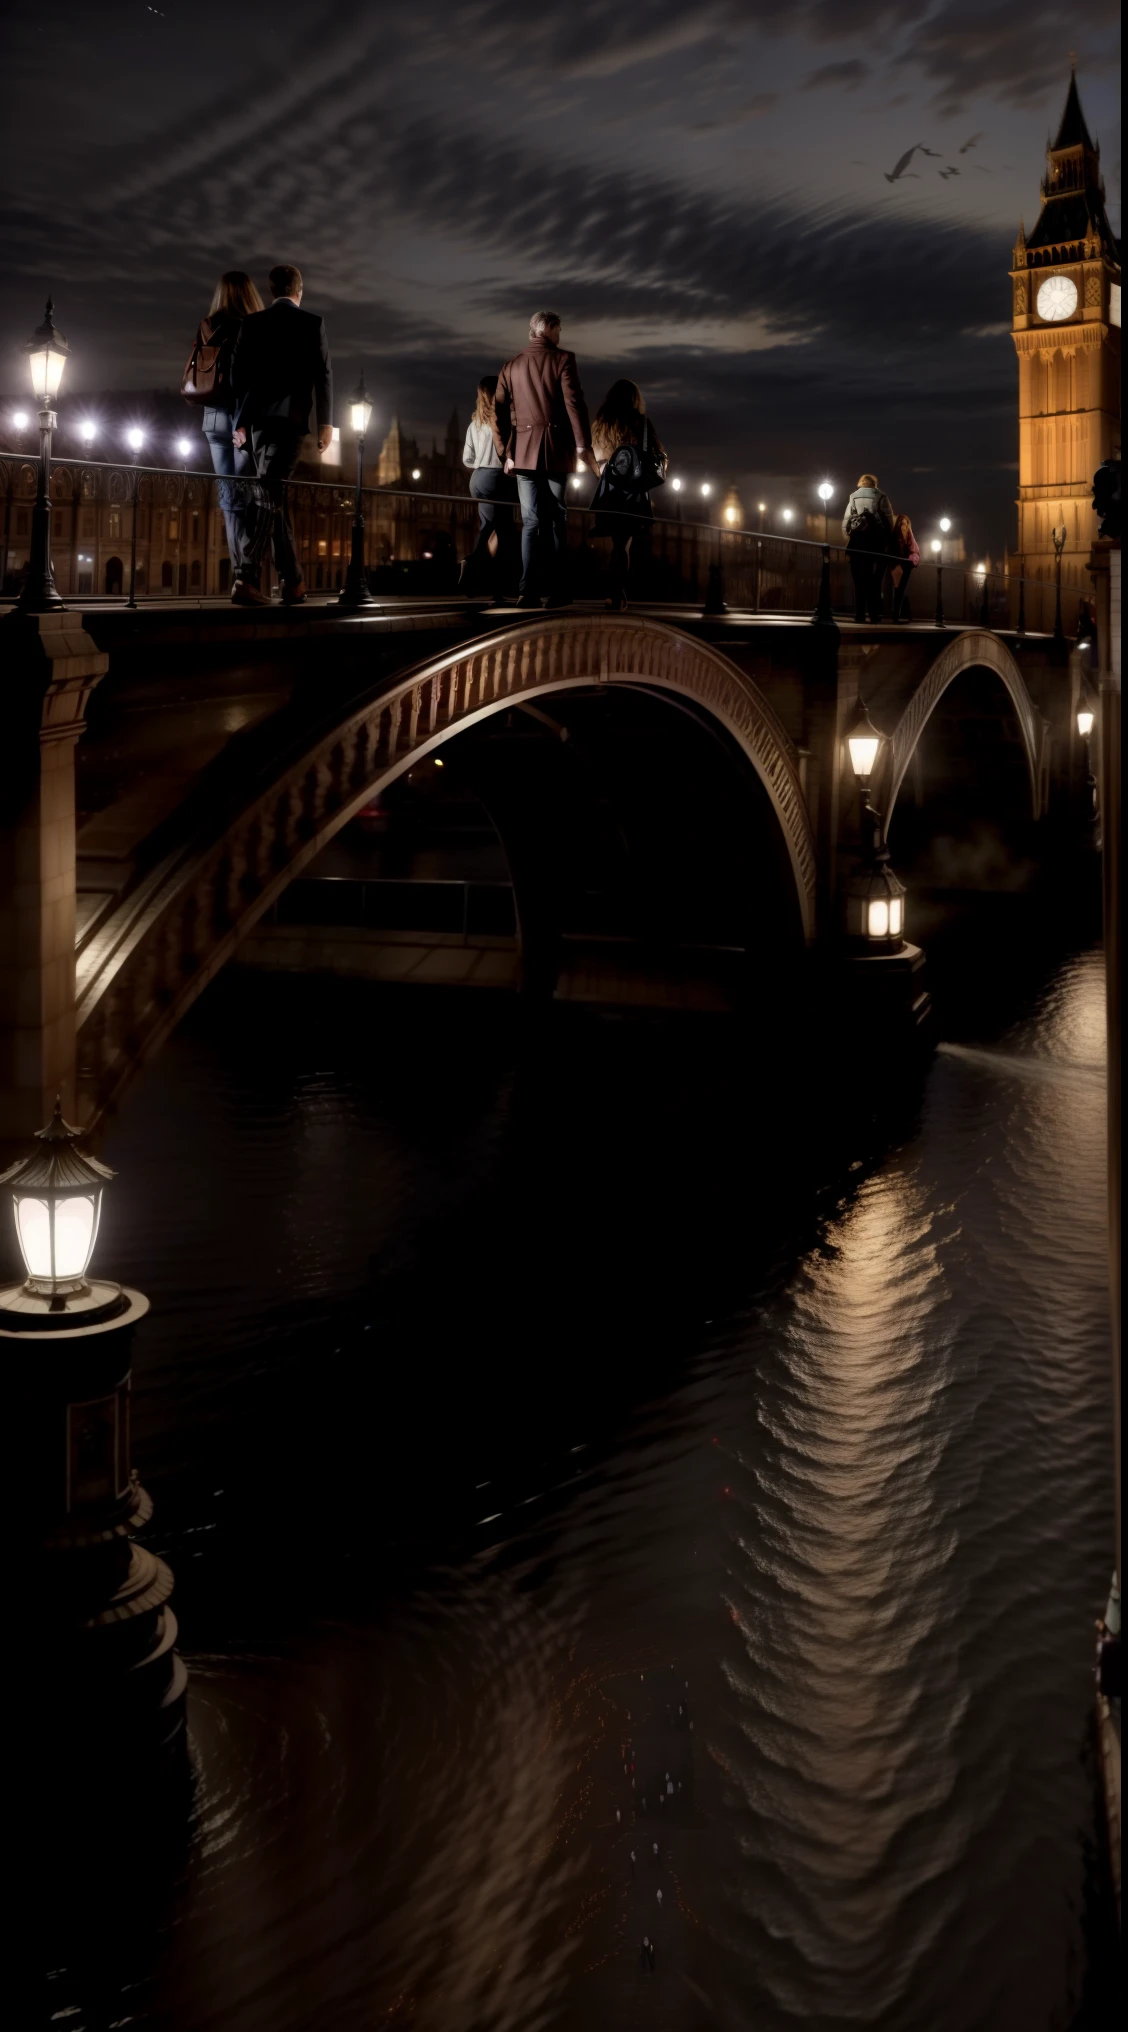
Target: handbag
{"points": [[205, 376], [632, 469]]}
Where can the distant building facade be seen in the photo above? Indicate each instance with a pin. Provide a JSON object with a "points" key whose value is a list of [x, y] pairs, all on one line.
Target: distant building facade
{"points": [[1066, 328]]}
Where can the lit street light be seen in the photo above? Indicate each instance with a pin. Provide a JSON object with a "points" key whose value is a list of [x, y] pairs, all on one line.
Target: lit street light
{"points": [[787, 514], [826, 492], [46, 358], [875, 901], [356, 591], [87, 431], [134, 439], [111, 1675], [937, 548], [183, 446], [20, 419], [416, 473], [676, 485]]}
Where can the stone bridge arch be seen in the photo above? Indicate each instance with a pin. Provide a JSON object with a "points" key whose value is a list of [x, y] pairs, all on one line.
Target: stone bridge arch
{"points": [[146, 965], [977, 649]]}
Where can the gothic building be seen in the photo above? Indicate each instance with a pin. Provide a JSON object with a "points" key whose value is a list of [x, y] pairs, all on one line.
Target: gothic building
{"points": [[402, 464], [1066, 328]]}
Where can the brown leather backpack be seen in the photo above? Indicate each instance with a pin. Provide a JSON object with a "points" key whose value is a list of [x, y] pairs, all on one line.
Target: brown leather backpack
{"points": [[205, 379]]}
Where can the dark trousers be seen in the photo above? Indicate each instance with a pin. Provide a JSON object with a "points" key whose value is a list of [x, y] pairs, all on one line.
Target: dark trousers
{"points": [[277, 447], [489, 486], [867, 573], [235, 466], [900, 600], [544, 527]]}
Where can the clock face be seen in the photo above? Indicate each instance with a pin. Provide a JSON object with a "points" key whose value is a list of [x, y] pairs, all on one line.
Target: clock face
{"points": [[1057, 298]]}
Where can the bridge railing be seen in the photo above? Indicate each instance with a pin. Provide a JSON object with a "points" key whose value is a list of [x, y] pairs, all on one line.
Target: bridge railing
{"points": [[161, 528]]}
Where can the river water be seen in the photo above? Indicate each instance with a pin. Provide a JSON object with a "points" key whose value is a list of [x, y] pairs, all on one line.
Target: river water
{"points": [[534, 1410]]}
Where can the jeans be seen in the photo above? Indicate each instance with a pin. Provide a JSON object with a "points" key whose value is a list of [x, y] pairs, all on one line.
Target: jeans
{"points": [[868, 573], [544, 524], [236, 494], [277, 449], [488, 485]]}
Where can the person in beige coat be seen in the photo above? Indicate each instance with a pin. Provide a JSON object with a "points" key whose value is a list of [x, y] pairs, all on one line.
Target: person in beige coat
{"points": [[541, 428]]}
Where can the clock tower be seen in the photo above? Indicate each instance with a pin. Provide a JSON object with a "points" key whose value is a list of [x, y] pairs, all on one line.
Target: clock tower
{"points": [[1066, 329]]}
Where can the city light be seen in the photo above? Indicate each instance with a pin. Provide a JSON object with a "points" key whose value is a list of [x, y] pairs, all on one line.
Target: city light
{"points": [[936, 545], [415, 473], [761, 507], [1085, 718], [706, 487], [360, 409], [787, 514], [825, 491], [577, 479], [183, 446], [46, 358], [945, 523], [88, 432], [135, 439], [863, 741], [730, 514], [676, 485], [57, 1200], [20, 419]]}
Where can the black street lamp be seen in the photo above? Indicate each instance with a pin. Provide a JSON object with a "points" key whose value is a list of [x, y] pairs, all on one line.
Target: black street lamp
{"points": [[111, 1678], [875, 899], [1059, 534], [356, 591], [938, 553], [47, 356], [134, 439], [1086, 715]]}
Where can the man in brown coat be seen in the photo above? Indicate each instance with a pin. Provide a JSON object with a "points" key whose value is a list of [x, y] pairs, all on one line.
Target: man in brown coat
{"points": [[540, 428]]}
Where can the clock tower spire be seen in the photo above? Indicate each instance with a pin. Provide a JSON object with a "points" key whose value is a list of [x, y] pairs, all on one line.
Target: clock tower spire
{"points": [[1066, 329]]}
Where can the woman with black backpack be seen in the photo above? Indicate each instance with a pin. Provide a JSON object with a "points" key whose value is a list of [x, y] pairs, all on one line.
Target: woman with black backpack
{"points": [[207, 385], [633, 462]]}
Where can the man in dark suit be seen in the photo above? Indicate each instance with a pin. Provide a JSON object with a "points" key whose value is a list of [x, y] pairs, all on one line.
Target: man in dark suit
{"points": [[280, 371], [540, 429]]}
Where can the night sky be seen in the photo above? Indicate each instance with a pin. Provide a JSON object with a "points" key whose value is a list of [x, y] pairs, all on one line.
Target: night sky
{"points": [[701, 191]]}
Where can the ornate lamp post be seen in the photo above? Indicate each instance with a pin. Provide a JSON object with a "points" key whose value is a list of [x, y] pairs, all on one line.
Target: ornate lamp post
{"points": [[134, 439], [355, 592], [1059, 534], [875, 899], [108, 1639], [47, 356]]}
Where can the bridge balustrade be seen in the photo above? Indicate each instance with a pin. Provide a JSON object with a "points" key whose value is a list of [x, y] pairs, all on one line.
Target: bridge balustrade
{"points": [[416, 541]]}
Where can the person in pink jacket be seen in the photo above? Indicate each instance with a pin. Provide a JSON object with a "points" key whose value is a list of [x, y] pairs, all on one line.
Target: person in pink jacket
{"points": [[905, 553]]}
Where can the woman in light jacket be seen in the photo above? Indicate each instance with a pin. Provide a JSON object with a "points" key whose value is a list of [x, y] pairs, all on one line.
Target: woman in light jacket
{"points": [[905, 552], [235, 298], [488, 484]]}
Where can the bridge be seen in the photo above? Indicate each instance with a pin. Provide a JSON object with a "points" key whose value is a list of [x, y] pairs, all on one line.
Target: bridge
{"points": [[172, 769]]}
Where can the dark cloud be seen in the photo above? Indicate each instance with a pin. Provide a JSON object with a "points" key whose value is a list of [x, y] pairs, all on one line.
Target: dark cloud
{"points": [[847, 76]]}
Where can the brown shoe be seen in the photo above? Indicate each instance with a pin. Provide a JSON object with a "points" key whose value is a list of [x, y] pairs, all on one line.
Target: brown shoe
{"points": [[293, 596], [243, 594]]}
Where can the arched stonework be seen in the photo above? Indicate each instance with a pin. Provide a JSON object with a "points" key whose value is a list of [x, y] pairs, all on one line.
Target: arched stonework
{"points": [[977, 649], [147, 963]]}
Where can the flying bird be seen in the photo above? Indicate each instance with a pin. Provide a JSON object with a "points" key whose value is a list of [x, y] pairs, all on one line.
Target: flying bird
{"points": [[969, 144], [950, 171], [900, 167]]}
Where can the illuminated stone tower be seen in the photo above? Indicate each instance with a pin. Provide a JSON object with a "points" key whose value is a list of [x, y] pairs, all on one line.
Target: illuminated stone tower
{"points": [[1066, 327]]}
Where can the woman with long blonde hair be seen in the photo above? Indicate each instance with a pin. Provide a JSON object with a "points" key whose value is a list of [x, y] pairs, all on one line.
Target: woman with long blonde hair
{"points": [[234, 298], [488, 484], [633, 460]]}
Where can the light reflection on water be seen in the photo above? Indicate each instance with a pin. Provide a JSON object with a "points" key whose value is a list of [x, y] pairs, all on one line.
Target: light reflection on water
{"points": [[865, 1517]]}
